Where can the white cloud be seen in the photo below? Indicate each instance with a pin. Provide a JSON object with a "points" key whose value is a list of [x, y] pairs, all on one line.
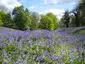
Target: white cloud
{"points": [[7, 5], [50, 2], [58, 12], [59, 1]]}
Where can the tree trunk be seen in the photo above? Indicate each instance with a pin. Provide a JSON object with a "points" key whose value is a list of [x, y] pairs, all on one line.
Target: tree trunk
{"points": [[67, 25]]}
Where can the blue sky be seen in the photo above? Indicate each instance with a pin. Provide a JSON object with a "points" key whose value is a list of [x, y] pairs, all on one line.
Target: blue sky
{"points": [[44, 6], [39, 5], [57, 7]]}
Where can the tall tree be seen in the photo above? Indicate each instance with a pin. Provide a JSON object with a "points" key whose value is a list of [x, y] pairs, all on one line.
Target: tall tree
{"points": [[28, 17], [66, 18], [54, 18], [46, 23], [81, 7], [61, 23], [76, 13], [72, 21], [2, 14], [35, 17], [8, 22], [21, 18]]}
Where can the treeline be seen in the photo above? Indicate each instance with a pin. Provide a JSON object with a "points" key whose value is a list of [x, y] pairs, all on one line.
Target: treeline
{"points": [[74, 18], [22, 19]]}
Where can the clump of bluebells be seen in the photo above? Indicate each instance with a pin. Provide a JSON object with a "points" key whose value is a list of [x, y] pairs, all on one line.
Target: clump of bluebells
{"points": [[42, 47]]}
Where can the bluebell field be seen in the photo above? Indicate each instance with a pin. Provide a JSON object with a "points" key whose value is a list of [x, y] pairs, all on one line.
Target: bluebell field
{"points": [[62, 46]]}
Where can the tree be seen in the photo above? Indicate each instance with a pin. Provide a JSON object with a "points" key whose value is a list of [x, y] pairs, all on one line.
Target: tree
{"points": [[28, 17], [76, 13], [81, 7], [61, 24], [72, 20], [35, 17], [1, 23], [66, 18], [46, 23], [21, 19], [54, 18], [2, 14], [8, 22]]}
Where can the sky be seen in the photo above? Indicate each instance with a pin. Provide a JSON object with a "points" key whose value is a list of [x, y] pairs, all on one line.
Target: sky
{"points": [[56, 7]]}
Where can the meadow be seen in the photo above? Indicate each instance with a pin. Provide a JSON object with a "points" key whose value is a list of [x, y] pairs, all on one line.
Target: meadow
{"points": [[61, 46]]}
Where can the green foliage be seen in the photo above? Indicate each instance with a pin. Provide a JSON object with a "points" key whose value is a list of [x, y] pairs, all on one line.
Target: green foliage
{"points": [[8, 22], [12, 51], [46, 23], [10, 48], [72, 21], [5, 20], [79, 14], [54, 18], [34, 20], [76, 13], [28, 18], [61, 24], [21, 18], [1, 23], [81, 7], [66, 18], [2, 14]]}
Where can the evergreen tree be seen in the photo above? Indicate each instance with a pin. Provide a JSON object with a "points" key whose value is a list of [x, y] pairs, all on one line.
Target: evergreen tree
{"points": [[66, 18]]}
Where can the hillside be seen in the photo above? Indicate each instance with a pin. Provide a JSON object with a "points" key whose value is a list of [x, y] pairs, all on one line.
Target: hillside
{"points": [[64, 45]]}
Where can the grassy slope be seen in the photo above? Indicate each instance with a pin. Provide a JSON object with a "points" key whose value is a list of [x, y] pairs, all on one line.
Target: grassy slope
{"points": [[69, 30], [74, 30], [53, 48], [4, 29]]}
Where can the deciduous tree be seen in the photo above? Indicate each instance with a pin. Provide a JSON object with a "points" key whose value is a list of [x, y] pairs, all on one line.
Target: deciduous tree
{"points": [[46, 23], [21, 18]]}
